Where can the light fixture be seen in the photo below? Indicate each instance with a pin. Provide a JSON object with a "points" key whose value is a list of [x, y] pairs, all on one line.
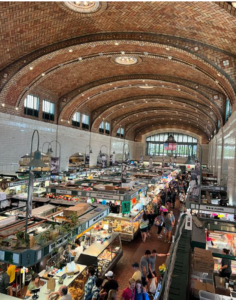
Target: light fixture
{"points": [[190, 160], [114, 152], [233, 4], [37, 162], [80, 58], [31, 68], [70, 50], [16, 108], [126, 60], [116, 43], [49, 152], [146, 86], [83, 6], [3, 104], [90, 151], [43, 74]]}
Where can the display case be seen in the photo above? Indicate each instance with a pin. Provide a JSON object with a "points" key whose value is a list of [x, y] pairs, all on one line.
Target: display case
{"points": [[103, 254], [220, 241], [217, 265], [127, 226]]}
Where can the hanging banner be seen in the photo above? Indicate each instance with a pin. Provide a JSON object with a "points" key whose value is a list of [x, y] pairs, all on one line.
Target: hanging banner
{"points": [[125, 207], [30, 192], [102, 160], [112, 159], [54, 165], [141, 159]]}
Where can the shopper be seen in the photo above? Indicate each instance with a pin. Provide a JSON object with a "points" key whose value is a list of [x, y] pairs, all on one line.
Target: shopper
{"points": [[163, 198], [144, 267], [159, 222], [96, 290], [140, 292], [144, 227], [152, 263], [173, 198], [11, 273], [90, 283], [129, 292], [225, 270], [34, 284], [62, 293], [137, 274], [111, 284], [112, 295], [168, 227], [77, 251], [172, 218], [4, 279]]}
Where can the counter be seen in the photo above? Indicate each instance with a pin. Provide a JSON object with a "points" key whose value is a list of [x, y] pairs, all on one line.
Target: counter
{"points": [[104, 255], [127, 226], [67, 281]]}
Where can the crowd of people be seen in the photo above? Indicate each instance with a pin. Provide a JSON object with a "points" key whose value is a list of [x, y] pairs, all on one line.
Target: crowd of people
{"points": [[161, 214]]}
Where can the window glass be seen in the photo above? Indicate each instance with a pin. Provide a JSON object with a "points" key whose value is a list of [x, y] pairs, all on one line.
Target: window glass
{"points": [[85, 119], [101, 125], [48, 107], [31, 106], [76, 117], [186, 145]]}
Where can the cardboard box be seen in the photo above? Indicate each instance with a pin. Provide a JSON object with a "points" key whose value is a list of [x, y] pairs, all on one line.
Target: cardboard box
{"points": [[200, 286], [78, 208], [109, 188]]}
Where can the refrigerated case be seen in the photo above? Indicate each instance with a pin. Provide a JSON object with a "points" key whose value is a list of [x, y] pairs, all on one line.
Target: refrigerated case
{"points": [[103, 255], [222, 240], [127, 226]]}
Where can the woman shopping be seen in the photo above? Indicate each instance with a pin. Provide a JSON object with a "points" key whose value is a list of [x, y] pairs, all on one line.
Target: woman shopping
{"points": [[144, 227], [159, 221], [225, 270]]}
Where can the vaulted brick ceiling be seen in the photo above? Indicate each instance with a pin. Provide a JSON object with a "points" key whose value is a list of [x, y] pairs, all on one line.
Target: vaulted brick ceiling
{"points": [[186, 55]]}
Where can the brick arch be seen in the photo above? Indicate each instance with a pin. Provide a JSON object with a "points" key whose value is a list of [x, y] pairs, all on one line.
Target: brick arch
{"points": [[53, 68], [138, 136], [150, 121]]}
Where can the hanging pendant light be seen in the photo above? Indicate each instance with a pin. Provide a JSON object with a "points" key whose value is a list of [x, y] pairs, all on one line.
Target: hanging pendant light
{"points": [[190, 160], [37, 162]]}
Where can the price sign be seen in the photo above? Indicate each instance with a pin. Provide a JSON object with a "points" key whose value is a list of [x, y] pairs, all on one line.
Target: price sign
{"points": [[125, 207]]}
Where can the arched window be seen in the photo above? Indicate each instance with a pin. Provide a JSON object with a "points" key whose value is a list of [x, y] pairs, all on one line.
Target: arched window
{"points": [[105, 127], [76, 119], [120, 132], [186, 145]]}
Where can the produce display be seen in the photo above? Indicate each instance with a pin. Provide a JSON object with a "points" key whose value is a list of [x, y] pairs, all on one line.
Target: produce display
{"points": [[124, 226]]}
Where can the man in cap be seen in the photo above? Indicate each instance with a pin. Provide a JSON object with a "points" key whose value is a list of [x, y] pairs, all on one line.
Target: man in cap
{"points": [[137, 274], [111, 283]]}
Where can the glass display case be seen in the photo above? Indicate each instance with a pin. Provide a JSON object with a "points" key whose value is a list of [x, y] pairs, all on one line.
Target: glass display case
{"points": [[103, 254], [127, 226], [220, 241], [217, 265]]}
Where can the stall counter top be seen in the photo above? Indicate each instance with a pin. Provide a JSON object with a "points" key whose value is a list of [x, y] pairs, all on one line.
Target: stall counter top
{"points": [[43, 290]]}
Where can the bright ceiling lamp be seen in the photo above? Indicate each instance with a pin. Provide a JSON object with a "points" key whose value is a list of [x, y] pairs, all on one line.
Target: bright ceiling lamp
{"points": [[126, 60], [85, 7], [233, 4], [146, 86]]}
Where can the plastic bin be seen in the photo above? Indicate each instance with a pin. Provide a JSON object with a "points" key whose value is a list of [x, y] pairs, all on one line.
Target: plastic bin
{"points": [[208, 296]]}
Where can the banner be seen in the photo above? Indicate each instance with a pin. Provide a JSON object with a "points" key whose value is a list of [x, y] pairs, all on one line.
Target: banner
{"points": [[30, 192], [54, 165], [141, 159]]}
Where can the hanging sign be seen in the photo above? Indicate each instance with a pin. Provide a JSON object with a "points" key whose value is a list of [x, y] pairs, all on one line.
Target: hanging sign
{"points": [[223, 209], [54, 165], [125, 207]]}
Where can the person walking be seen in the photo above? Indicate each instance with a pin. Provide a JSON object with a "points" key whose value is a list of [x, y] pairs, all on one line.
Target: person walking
{"points": [[129, 292], [144, 227], [89, 283], [137, 274], [4, 280], [144, 267], [152, 264], [159, 222], [168, 227], [140, 292], [225, 270], [12, 274]]}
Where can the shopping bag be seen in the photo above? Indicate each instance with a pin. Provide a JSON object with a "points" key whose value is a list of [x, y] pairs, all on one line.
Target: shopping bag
{"points": [[51, 284], [153, 286]]}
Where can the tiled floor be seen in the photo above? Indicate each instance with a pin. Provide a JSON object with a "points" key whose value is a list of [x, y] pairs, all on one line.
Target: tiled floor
{"points": [[133, 251]]}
